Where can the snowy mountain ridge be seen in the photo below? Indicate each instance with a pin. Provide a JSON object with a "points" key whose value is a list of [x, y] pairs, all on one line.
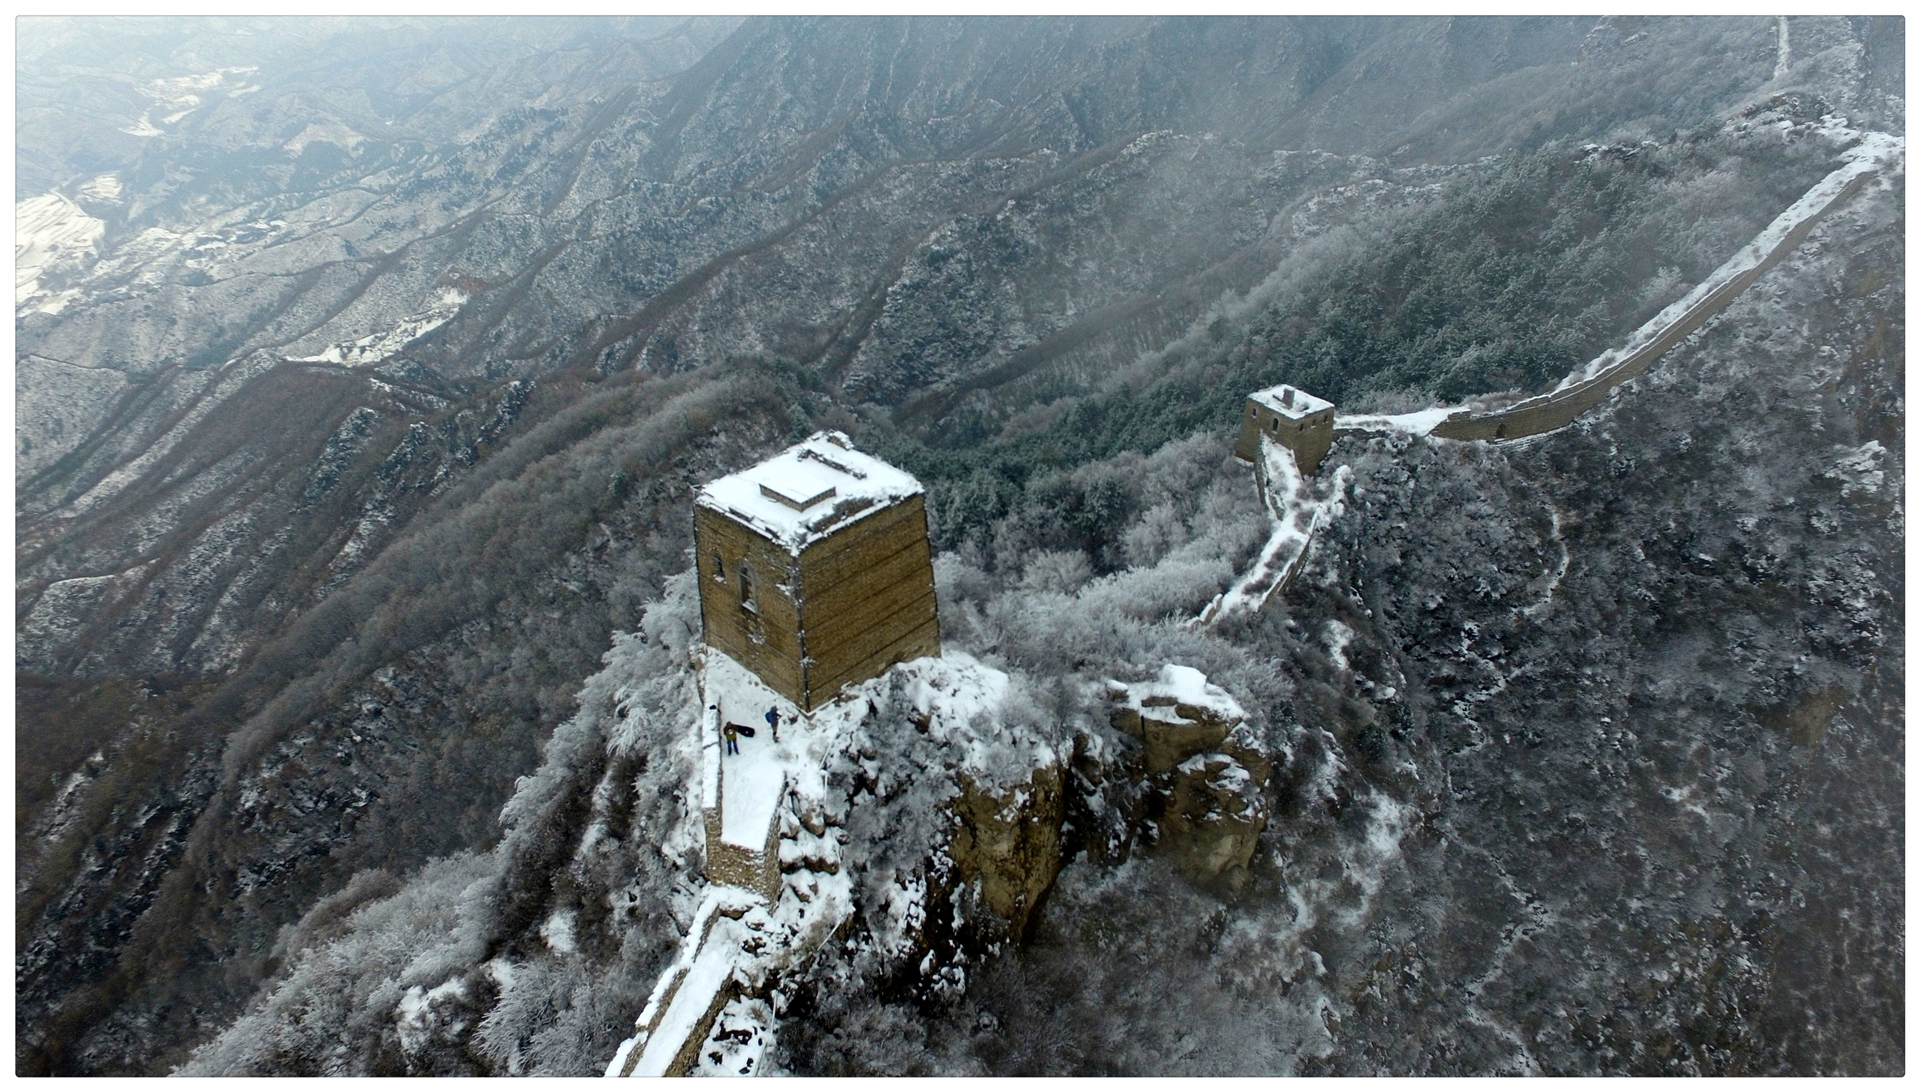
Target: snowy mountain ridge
{"points": [[1573, 755]]}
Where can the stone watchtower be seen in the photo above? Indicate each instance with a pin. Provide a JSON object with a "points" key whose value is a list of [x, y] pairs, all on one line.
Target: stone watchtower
{"points": [[1291, 418], [815, 570]]}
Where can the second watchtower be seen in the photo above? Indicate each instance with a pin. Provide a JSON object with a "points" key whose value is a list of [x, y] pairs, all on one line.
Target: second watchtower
{"points": [[1291, 418]]}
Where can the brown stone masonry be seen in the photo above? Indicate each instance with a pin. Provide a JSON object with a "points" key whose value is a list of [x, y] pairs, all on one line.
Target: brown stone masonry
{"points": [[765, 639], [868, 599], [848, 607], [757, 871]]}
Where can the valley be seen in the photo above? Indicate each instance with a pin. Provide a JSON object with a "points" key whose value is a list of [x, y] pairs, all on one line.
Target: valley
{"points": [[366, 372]]}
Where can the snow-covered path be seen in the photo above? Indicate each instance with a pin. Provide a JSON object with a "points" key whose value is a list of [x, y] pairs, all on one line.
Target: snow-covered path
{"points": [[693, 989], [1296, 516], [1866, 153], [773, 797]]}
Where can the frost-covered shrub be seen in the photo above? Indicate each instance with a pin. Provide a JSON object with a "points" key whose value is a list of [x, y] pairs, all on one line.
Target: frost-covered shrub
{"points": [[532, 958], [339, 1010], [1060, 571]]}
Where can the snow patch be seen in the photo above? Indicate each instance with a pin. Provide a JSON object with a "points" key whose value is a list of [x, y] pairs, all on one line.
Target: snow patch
{"points": [[331, 132], [557, 931], [1418, 423], [1339, 636], [413, 1016], [742, 1035], [376, 347], [50, 233], [174, 97], [104, 187], [1178, 685], [1859, 469]]}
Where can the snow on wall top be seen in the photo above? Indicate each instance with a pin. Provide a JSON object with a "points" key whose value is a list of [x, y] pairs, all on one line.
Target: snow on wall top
{"points": [[1290, 402], [1869, 152], [1863, 152], [749, 784], [809, 491]]}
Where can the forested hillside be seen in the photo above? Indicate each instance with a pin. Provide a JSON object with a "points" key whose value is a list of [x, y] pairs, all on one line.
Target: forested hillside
{"points": [[360, 409]]}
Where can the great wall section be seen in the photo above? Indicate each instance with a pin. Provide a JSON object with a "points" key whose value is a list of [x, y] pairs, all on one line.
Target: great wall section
{"points": [[1285, 445], [779, 890]]}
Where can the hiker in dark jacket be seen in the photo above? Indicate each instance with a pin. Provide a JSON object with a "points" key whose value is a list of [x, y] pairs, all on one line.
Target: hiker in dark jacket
{"points": [[733, 739], [773, 720]]}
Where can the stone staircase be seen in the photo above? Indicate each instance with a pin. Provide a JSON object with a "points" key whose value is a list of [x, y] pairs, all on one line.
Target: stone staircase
{"points": [[773, 857]]}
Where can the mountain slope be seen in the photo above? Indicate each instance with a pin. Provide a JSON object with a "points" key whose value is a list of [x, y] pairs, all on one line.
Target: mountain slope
{"points": [[591, 263]]}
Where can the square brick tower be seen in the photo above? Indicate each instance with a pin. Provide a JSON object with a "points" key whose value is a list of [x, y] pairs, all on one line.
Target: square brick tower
{"points": [[1291, 418], [815, 569]]}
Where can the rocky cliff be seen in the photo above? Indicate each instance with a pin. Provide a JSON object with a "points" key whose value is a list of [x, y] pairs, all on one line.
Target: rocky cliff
{"points": [[364, 395]]}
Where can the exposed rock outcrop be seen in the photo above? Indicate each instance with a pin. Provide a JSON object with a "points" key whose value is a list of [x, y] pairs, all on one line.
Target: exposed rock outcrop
{"points": [[1212, 815], [1205, 803], [1010, 843]]}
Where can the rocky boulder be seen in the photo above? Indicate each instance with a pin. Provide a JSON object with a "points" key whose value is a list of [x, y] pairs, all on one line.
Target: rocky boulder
{"points": [[1010, 843], [1214, 811], [1176, 716], [1207, 803]]}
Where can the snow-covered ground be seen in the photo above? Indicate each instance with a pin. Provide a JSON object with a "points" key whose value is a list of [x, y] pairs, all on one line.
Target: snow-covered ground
{"points": [[55, 405], [1182, 686], [49, 231], [737, 940], [380, 345], [1296, 516], [104, 188], [687, 989], [222, 385], [751, 781], [175, 97]]}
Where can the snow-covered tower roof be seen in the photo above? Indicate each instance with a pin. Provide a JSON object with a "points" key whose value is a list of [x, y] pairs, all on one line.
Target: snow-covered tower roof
{"points": [[1291, 403], [815, 568], [808, 491]]}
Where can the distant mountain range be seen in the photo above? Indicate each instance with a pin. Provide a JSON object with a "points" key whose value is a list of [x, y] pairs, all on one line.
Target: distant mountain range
{"points": [[365, 368]]}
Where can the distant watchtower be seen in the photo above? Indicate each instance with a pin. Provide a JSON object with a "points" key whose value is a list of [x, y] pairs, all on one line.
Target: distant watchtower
{"points": [[815, 571], [1291, 418]]}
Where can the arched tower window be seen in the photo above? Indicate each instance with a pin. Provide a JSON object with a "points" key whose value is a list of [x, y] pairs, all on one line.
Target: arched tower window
{"points": [[748, 599], [719, 568]]}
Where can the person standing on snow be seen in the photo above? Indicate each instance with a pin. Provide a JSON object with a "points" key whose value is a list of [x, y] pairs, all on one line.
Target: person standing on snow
{"points": [[733, 739], [773, 720]]}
